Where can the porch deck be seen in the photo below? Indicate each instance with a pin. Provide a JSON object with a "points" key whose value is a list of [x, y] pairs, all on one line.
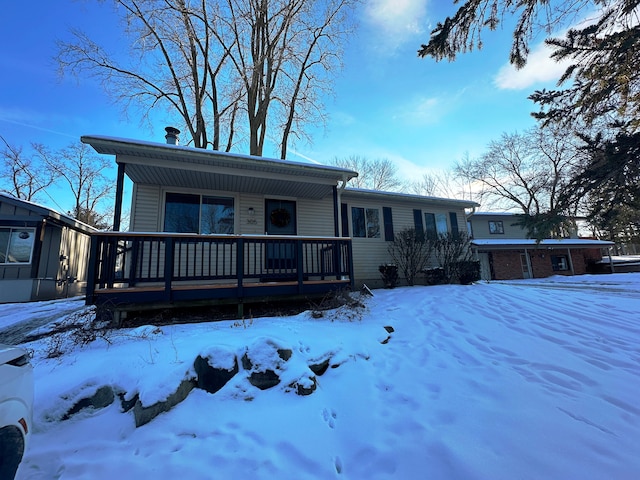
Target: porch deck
{"points": [[156, 270]]}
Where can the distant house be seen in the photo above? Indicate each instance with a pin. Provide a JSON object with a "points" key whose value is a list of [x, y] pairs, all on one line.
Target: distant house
{"points": [[43, 254], [208, 225], [506, 253]]}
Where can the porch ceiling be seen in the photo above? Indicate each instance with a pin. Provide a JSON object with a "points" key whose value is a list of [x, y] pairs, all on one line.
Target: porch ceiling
{"points": [[225, 182]]}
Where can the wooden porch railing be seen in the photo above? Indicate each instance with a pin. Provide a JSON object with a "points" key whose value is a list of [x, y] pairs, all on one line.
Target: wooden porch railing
{"points": [[135, 268]]}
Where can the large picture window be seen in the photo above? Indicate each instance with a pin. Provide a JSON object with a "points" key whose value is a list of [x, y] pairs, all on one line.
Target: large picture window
{"points": [[203, 214], [366, 222], [16, 245]]}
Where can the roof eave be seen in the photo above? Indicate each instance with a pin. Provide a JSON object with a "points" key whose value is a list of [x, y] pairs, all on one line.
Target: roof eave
{"points": [[123, 147], [408, 197]]}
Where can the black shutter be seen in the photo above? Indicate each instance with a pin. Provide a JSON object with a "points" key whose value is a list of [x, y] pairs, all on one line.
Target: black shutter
{"points": [[417, 220], [344, 214], [453, 220], [388, 224]]}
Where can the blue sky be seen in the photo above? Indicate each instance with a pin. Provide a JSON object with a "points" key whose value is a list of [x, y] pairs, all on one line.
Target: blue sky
{"points": [[388, 103]]}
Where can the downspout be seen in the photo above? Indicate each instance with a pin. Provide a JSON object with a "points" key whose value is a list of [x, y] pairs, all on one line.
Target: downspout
{"points": [[613, 270], [336, 207], [336, 212], [526, 256]]}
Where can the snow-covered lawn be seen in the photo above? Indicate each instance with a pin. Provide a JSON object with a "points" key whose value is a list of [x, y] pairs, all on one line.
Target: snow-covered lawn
{"points": [[514, 380]]}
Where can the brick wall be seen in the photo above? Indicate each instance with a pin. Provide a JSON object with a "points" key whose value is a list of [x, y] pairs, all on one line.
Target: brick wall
{"points": [[506, 264]]}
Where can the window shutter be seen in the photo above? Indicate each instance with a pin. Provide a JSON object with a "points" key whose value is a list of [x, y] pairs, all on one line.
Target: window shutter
{"points": [[417, 220], [453, 220], [344, 214], [388, 224]]}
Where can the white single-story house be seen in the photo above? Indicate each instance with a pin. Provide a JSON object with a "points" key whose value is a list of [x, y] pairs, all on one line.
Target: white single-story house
{"points": [[505, 252], [43, 254], [209, 225]]}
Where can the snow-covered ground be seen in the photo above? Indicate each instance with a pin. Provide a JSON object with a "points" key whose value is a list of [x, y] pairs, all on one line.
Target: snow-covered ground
{"points": [[534, 379]]}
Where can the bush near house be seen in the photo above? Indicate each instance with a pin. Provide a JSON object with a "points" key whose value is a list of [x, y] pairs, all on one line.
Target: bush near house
{"points": [[389, 274], [411, 252], [453, 253]]}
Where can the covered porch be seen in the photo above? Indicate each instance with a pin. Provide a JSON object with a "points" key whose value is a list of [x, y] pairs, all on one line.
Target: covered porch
{"points": [[159, 270]]}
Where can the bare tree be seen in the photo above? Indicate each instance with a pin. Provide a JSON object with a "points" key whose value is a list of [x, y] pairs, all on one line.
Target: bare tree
{"points": [[23, 174], [524, 171], [173, 62], [446, 184], [378, 174], [82, 172], [211, 61]]}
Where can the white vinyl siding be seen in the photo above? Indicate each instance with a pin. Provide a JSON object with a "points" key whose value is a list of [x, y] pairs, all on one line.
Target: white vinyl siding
{"points": [[145, 208], [370, 253], [315, 217], [480, 225]]}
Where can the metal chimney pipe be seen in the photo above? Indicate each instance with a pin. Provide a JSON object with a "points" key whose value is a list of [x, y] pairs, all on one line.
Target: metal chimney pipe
{"points": [[172, 135]]}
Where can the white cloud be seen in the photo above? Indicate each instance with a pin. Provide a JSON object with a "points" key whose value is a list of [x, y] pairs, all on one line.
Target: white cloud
{"points": [[420, 111], [540, 68], [397, 21]]}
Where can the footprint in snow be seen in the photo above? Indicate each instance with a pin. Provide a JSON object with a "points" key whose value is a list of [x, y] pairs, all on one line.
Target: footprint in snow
{"points": [[329, 417]]}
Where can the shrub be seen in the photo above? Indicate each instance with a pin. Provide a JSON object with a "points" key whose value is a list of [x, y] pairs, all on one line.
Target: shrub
{"points": [[453, 253], [410, 251], [389, 274], [468, 271]]}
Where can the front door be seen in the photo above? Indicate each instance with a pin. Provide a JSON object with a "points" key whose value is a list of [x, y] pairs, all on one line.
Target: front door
{"points": [[280, 219]]}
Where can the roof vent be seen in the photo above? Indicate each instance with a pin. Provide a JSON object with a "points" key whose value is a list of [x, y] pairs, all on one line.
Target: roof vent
{"points": [[172, 135]]}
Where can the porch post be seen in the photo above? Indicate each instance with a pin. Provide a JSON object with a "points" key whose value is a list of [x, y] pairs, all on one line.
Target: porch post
{"points": [[570, 261], [91, 271], [336, 210], [117, 212], [528, 260]]}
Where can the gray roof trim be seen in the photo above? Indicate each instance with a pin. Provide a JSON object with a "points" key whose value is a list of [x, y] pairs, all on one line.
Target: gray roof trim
{"points": [[494, 214], [406, 197], [546, 243]]}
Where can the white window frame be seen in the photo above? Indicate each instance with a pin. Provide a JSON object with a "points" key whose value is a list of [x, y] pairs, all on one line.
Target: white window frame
{"points": [[496, 227], [366, 224], [562, 262], [18, 230]]}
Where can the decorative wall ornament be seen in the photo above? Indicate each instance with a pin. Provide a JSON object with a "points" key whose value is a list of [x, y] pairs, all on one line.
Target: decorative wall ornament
{"points": [[280, 217]]}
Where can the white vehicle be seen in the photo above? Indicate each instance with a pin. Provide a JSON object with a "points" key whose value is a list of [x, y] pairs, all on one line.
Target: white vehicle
{"points": [[16, 407]]}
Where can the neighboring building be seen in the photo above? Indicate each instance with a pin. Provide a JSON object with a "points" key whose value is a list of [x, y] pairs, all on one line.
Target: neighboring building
{"points": [[505, 252], [236, 227], [43, 254]]}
